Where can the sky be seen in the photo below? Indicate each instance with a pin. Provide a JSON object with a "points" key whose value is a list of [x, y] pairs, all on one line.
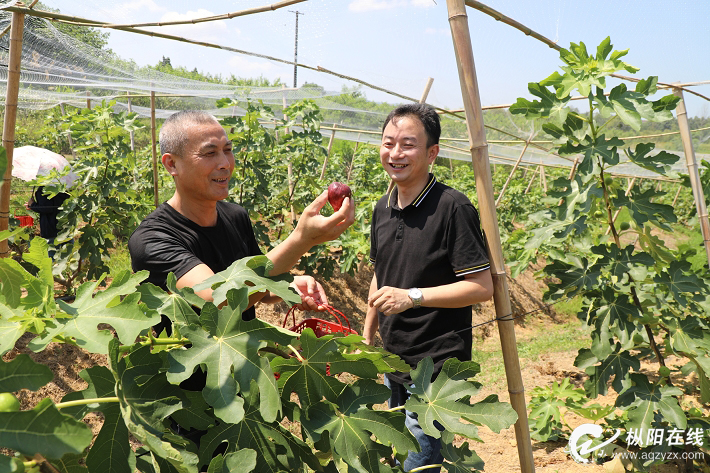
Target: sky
{"points": [[399, 44]]}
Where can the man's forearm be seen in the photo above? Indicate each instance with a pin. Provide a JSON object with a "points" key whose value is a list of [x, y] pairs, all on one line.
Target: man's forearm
{"points": [[472, 290], [287, 253], [371, 324]]}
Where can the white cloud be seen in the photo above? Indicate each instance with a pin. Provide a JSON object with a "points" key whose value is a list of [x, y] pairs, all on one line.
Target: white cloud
{"points": [[424, 3], [209, 31], [128, 12], [372, 5], [244, 66], [437, 31]]}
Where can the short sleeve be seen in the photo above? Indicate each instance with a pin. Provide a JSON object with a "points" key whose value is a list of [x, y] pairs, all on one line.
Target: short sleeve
{"points": [[466, 246], [161, 254]]}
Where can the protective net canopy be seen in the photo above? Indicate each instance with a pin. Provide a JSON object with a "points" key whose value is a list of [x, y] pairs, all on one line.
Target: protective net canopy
{"points": [[58, 69]]}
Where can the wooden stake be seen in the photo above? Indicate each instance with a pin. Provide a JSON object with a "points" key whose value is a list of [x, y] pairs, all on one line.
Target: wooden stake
{"points": [[675, 199], [515, 168], [543, 178], [8, 130], [427, 88], [153, 142], [131, 133], [458, 21], [327, 155], [69, 138], [352, 161], [532, 179], [88, 100], [693, 171]]}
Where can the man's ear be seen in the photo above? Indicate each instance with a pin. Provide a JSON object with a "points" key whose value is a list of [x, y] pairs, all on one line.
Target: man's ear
{"points": [[432, 153], [169, 163]]}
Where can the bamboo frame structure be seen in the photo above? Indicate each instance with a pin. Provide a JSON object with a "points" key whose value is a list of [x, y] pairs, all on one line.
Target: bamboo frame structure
{"points": [[695, 183], [154, 150], [132, 134], [225, 16], [510, 176], [8, 130], [458, 21]]}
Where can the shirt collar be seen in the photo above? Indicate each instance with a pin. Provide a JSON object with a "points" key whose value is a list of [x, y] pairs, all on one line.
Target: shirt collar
{"points": [[392, 199]]}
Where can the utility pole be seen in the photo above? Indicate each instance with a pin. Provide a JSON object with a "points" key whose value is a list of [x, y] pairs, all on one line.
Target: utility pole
{"points": [[295, 52]]}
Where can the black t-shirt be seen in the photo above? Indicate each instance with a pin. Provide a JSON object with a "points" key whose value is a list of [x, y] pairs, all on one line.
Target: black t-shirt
{"points": [[167, 241], [435, 240]]}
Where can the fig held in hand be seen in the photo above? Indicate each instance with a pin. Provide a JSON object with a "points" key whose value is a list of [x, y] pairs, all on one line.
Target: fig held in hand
{"points": [[338, 191]]}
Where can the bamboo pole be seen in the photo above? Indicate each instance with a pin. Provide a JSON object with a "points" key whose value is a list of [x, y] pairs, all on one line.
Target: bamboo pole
{"points": [[532, 179], [131, 134], [543, 178], [8, 130], [695, 183], [88, 100], [510, 176], [69, 138], [352, 161], [154, 149], [458, 21], [327, 155], [427, 88], [225, 16], [675, 199]]}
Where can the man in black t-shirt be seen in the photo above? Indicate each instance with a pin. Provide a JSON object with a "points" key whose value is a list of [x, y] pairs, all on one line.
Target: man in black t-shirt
{"points": [[430, 261], [195, 235]]}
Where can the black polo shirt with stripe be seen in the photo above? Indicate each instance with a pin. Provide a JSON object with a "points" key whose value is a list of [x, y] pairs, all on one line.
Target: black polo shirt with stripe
{"points": [[433, 241]]}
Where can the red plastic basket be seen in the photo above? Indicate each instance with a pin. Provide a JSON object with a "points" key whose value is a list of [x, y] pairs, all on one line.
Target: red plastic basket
{"points": [[25, 220], [319, 326]]}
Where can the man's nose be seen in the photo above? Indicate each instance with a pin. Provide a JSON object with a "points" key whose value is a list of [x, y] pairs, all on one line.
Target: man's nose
{"points": [[225, 160]]}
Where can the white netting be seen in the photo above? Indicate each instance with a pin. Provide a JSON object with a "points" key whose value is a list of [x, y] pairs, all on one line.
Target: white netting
{"points": [[59, 69]]}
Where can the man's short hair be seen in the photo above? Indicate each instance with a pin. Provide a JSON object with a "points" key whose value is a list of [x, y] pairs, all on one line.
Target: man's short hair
{"points": [[173, 134], [426, 115]]}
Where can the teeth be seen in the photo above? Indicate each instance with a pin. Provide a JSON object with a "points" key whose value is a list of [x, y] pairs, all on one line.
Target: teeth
{"points": [[398, 166]]}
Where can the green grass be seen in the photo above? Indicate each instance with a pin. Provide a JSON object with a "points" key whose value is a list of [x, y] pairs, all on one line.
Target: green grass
{"points": [[120, 258], [545, 337]]}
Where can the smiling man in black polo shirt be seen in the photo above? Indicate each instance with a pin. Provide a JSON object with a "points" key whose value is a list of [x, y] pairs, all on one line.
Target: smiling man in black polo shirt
{"points": [[430, 261]]}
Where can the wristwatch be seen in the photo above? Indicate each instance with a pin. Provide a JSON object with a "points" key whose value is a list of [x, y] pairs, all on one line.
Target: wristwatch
{"points": [[415, 294]]}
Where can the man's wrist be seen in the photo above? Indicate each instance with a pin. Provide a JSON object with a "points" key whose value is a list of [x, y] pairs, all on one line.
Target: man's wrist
{"points": [[416, 296]]}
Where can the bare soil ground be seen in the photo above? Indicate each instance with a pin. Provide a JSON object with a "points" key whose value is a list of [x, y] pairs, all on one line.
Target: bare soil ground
{"points": [[349, 294]]}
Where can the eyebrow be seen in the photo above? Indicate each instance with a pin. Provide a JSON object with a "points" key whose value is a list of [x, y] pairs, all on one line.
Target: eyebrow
{"points": [[390, 137], [209, 146]]}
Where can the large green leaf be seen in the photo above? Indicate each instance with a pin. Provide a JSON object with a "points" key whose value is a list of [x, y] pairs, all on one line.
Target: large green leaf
{"points": [[459, 459], [146, 397], [11, 330], [101, 384], [38, 257], [643, 210], [250, 271], [441, 400], [350, 423], [111, 452], [12, 276], [124, 314], [177, 304], [618, 365], [591, 148], [309, 378], [242, 461], [644, 399], [575, 277], [43, 430], [278, 449], [680, 280], [228, 346], [660, 162], [23, 373]]}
